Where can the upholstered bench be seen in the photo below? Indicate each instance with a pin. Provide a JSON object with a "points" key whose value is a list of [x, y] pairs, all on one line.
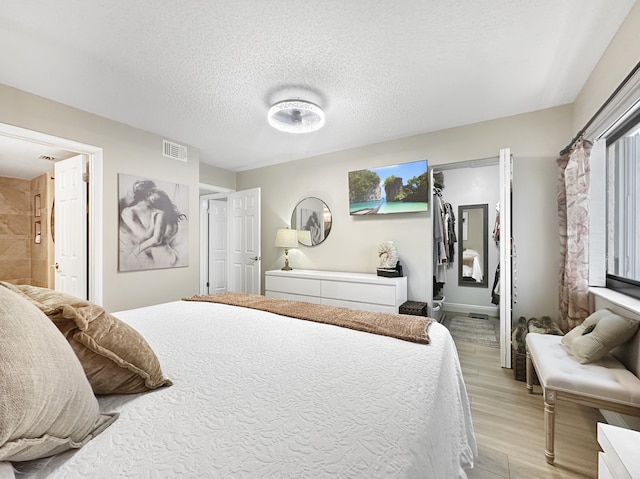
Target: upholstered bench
{"points": [[610, 382]]}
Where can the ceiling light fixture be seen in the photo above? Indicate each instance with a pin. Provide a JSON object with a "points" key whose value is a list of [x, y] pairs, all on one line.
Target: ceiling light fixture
{"points": [[296, 116]]}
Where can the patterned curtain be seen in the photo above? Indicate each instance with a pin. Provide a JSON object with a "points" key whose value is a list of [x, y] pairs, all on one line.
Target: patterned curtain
{"points": [[573, 214]]}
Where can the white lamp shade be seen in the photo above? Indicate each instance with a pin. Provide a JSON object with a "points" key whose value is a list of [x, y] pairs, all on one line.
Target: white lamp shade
{"points": [[304, 237], [286, 238]]}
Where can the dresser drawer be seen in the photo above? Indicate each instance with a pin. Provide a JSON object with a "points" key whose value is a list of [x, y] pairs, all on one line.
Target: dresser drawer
{"points": [[293, 297], [619, 456], [303, 286], [360, 292], [603, 468]]}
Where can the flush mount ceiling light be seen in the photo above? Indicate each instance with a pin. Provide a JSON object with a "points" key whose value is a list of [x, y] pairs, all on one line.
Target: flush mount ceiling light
{"points": [[296, 116]]}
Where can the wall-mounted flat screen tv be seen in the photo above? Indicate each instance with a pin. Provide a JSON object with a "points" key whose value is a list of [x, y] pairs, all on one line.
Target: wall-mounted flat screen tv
{"points": [[399, 188]]}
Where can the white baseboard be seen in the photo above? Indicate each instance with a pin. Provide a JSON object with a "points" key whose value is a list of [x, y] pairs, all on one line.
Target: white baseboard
{"points": [[471, 308]]}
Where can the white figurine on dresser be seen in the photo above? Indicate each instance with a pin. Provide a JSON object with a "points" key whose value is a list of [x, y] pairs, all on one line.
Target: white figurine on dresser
{"points": [[363, 291]]}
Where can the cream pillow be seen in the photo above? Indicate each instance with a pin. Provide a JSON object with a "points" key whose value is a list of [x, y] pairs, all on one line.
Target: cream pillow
{"points": [[115, 357], [598, 334], [46, 403]]}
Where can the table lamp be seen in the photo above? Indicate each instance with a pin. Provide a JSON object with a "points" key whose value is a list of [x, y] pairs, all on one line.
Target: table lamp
{"points": [[286, 238]]}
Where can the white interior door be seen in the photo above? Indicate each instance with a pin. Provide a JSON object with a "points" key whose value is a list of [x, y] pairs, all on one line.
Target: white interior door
{"points": [[506, 249], [218, 252], [244, 241], [71, 227]]}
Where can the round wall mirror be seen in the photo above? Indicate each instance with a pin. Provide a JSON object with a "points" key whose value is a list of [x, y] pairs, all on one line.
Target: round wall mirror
{"points": [[312, 218]]}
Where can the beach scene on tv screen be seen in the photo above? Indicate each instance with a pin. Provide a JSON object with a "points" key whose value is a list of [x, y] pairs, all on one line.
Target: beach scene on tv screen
{"points": [[399, 188]]}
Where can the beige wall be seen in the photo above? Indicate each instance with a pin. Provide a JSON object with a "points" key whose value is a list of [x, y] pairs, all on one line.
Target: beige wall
{"points": [[126, 150], [211, 175], [534, 138], [617, 61]]}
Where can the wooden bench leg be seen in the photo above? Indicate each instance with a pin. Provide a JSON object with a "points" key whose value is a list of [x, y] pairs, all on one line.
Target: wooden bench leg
{"points": [[529, 373], [549, 423]]}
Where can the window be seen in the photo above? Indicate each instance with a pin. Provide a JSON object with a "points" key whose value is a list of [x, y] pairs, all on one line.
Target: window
{"points": [[623, 208]]}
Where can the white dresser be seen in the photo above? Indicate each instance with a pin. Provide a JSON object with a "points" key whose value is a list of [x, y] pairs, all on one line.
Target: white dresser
{"points": [[334, 288], [619, 458]]}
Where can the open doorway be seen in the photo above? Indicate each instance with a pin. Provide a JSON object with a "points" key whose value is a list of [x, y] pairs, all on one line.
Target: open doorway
{"points": [[230, 244], [471, 191], [28, 140], [213, 238], [472, 281]]}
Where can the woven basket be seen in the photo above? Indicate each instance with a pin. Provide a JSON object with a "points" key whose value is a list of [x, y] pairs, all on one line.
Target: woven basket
{"points": [[519, 365], [415, 308]]}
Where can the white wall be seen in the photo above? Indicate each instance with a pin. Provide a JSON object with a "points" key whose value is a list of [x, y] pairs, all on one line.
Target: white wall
{"points": [[534, 138], [535, 233], [472, 186], [126, 150]]}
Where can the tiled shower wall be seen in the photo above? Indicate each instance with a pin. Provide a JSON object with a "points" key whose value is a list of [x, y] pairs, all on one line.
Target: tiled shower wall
{"points": [[22, 261]]}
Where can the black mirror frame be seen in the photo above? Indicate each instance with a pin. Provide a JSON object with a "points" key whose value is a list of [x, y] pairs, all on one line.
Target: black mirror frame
{"points": [[485, 248], [326, 226]]}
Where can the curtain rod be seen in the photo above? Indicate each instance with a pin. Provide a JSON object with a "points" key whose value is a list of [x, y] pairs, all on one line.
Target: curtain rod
{"points": [[579, 135]]}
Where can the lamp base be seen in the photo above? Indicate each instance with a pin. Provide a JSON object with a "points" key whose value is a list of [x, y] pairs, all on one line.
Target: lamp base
{"points": [[286, 261]]}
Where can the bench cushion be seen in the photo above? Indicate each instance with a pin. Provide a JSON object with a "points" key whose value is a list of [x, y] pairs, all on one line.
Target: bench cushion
{"points": [[605, 379]]}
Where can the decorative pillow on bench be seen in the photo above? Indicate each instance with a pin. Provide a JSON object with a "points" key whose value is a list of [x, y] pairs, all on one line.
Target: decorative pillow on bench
{"points": [[598, 334]]}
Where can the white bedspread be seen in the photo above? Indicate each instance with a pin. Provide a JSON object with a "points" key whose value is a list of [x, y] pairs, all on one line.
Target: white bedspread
{"points": [[258, 395]]}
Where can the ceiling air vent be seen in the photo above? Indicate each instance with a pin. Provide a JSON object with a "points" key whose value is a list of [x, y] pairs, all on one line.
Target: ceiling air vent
{"points": [[174, 151]]}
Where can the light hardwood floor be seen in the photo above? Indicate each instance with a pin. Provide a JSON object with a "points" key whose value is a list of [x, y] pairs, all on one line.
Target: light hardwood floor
{"points": [[509, 427]]}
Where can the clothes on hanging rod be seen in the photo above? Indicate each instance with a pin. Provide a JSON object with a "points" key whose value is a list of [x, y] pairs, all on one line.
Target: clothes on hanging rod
{"points": [[444, 236], [452, 239], [495, 289]]}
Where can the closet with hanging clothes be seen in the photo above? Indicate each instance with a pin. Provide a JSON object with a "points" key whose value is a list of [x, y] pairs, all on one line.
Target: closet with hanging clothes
{"points": [[444, 239]]}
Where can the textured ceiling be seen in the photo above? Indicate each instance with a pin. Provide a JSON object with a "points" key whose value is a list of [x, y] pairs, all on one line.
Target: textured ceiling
{"points": [[204, 72]]}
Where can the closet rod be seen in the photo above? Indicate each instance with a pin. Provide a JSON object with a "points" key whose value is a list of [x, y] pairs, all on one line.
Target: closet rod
{"points": [[567, 148]]}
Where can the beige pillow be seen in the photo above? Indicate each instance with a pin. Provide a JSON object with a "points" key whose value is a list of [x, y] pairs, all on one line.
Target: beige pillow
{"points": [[598, 334], [115, 357], [46, 403]]}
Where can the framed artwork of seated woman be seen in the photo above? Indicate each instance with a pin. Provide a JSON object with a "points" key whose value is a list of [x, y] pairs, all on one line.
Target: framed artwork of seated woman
{"points": [[153, 225]]}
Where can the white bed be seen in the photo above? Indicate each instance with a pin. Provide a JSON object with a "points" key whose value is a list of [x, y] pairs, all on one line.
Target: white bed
{"points": [[260, 395]]}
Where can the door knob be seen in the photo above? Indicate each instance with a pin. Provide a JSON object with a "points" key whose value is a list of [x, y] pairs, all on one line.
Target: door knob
{"points": [[255, 258], [57, 266]]}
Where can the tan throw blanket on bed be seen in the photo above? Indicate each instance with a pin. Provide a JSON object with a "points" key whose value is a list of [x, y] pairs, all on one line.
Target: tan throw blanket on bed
{"points": [[401, 326]]}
